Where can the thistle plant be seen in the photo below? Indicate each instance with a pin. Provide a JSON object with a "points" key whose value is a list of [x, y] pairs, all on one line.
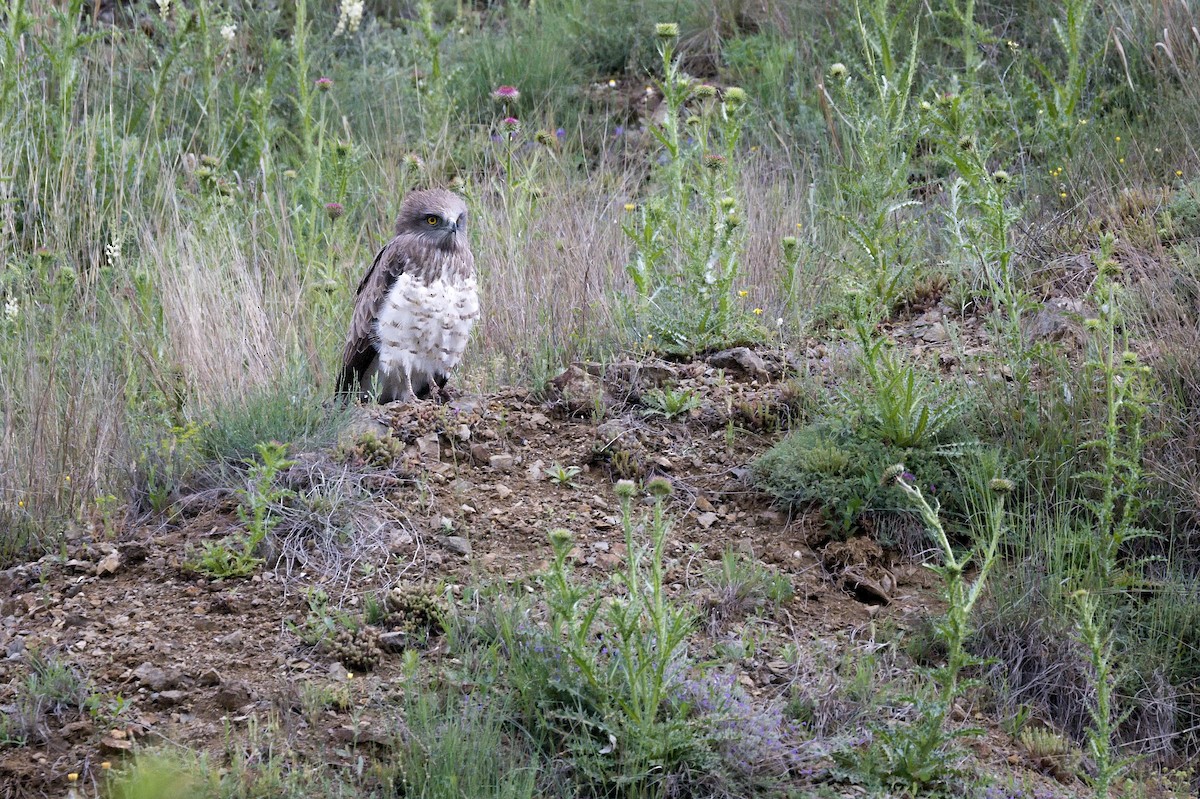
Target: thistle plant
{"points": [[630, 650], [687, 235], [1122, 384], [981, 218], [917, 756], [1097, 637], [1059, 97], [903, 407], [875, 148]]}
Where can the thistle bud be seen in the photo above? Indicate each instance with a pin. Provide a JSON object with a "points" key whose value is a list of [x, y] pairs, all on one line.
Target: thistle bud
{"points": [[1001, 485], [727, 203], [413, 161], [507, 94], [1001, 177], [838, 71], [891, 474], [659, 487], [704, 91], [735, 96], [625, 489], [714, 161], [666, 30]]}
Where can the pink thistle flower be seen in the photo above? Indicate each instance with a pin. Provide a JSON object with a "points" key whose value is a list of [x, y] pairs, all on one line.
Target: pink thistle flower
{"points": [[510, 125], [334, 210], [507, 94], [324, 84]]}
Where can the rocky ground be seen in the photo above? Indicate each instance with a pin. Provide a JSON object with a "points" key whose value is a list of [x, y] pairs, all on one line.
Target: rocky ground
{"points": [[449, 495]]}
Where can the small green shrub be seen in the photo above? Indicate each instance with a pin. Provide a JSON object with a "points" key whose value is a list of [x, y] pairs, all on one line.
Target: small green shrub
{"points": [[836, 468], [237, 556], [669, 403]]}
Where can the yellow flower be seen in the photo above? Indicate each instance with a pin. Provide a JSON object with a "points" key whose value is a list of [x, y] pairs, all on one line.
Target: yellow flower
{"points": [[1178, 173], [758, 311], [612, 84], [630, 206], [743, 293], [106, 765], [1120, 160], [72, 777], [1063, 195], [1116, 138], [20, 503]]}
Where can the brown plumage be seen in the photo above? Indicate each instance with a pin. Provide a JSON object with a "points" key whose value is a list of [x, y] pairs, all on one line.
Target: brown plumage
{"points": [[416, 304]]}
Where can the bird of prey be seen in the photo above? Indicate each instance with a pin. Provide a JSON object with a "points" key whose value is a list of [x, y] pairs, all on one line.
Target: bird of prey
{"points": [[416, 304]]}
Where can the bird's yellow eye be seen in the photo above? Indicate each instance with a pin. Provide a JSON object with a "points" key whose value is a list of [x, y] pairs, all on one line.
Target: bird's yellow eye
{"points": [[433, 220]]}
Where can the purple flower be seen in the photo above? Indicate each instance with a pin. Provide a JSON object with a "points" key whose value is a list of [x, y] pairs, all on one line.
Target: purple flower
{"points": [[508, 94], [560, 134], [618, 131], [324, 84], [334, 210]]}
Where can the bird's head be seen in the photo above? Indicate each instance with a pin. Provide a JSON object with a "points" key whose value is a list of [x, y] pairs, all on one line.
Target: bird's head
{"points": [[436, 215]]}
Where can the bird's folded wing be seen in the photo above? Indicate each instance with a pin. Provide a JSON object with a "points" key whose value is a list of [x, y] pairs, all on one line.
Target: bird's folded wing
{"points": [[389, 264]]}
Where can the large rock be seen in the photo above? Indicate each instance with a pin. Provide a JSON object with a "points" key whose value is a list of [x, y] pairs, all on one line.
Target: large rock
{"points": [[741, 360], [1059, 319]]}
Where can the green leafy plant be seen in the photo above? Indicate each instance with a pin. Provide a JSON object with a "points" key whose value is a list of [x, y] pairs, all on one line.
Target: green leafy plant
{"points": [[901, 407], [564, 476], [236, 556], [669, 402]]}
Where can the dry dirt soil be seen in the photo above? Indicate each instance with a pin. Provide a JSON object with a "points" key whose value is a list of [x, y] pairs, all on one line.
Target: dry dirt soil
{"points": [[466, 496]]}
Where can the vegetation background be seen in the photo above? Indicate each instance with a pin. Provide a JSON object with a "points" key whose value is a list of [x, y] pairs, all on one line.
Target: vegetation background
{"points": [[189, 192]]}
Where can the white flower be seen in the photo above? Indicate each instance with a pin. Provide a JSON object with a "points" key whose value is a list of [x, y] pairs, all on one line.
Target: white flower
{"points": [[229, 31], [11, 308], [350, 14], [164, 8]]}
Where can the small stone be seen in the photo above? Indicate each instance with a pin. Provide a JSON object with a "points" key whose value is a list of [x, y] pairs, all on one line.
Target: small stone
{"points": [[152, 677], [539, 420], [480, 454], [457, 544], [703, 505], [502, 462], [394, 641], [109, 564], [430, 446], [169, 698], [232, 695], [463, 433], [706, 520], [503, 491]]}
